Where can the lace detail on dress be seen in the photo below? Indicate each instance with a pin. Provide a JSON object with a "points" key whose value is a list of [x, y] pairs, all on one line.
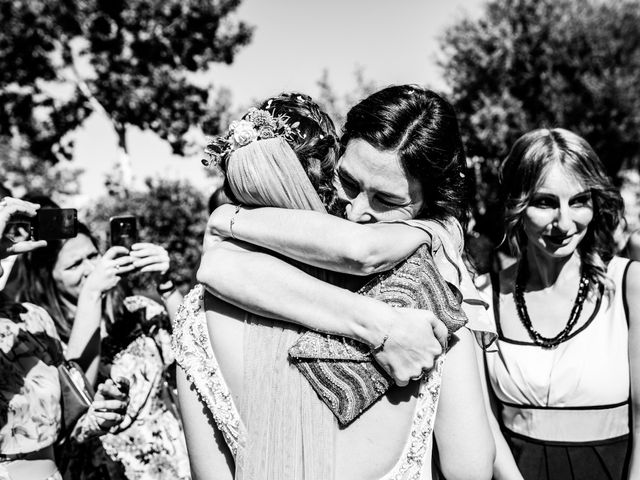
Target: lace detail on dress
{"points": [[195, 356], [415, 461]]}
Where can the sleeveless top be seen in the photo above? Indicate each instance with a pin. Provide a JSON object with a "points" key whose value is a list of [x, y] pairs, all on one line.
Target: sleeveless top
{"points": [[195, 356], [576, 392]]}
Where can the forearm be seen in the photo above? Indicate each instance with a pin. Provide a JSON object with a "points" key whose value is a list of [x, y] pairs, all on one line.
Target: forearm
{"points": [[172, 301], [84, 340], [267, 286], [322, 240]]}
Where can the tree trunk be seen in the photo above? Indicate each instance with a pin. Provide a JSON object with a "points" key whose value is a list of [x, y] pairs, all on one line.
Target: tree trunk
{"points": [[124, 160]]}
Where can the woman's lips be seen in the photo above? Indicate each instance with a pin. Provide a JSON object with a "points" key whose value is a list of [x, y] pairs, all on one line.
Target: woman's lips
{"points": [[558, 240]]}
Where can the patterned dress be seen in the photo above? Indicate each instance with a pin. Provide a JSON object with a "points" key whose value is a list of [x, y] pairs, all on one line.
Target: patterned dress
{"points": [[30, 413], [153, 447]]}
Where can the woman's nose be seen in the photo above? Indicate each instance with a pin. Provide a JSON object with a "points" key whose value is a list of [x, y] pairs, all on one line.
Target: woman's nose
{"points": [[563, 218], [359, 210]]}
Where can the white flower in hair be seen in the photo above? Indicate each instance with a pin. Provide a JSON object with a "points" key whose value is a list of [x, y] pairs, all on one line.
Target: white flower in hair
{"points": [[256, 125], [244, 133]]}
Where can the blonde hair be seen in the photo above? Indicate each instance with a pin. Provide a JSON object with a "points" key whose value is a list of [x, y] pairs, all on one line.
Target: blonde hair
{"points": [[524, 169]]}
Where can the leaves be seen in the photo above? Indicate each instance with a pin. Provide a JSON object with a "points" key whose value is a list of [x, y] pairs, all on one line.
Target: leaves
{"points": [[135, 63], [527, 64]]}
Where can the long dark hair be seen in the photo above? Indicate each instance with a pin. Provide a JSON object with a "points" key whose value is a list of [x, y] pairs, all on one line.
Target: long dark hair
{"points": [[422, 128], [35, 283]]}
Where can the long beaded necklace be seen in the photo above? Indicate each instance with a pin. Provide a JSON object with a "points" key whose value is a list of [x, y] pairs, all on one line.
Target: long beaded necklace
{"points": [[523, 314]]}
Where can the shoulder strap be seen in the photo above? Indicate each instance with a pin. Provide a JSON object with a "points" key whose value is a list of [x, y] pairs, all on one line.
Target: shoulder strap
{"points": [[495, 287], [625, 303]]}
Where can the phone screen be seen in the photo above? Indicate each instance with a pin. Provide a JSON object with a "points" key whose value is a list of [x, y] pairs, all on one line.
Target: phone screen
{"points": [[54, 224], [124, 231]]}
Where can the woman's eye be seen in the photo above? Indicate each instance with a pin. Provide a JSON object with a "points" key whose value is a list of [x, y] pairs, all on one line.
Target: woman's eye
{"points": [[581, 201], [543, 203], [348, 185], [388, 203]]}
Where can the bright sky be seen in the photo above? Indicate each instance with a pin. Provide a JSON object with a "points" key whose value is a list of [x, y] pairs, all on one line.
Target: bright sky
{"points": [[294, 41]]}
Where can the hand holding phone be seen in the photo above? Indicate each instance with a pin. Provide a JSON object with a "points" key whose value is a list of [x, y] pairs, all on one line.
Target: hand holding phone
{"points": [[15, 216], [124, 231]]}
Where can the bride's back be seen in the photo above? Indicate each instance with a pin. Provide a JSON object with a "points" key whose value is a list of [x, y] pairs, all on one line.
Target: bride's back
{"points": [[368, 448]]}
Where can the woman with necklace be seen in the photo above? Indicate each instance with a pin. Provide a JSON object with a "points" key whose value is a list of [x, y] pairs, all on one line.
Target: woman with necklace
{"points": [[567, 370]]}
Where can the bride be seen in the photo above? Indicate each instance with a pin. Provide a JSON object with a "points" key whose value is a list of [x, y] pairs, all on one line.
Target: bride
{"points": [[272, 422]]}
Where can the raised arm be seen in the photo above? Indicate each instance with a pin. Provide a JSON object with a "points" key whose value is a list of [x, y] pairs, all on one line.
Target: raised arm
{"points": [[319, 239], [461, 429], [633, 303], [267, 286]]}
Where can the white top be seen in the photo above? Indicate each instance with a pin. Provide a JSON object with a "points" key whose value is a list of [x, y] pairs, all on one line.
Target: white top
{"points": [[576, 392]]}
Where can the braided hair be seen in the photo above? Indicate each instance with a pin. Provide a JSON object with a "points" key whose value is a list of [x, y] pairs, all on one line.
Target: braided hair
{"points": [[316, 146]]}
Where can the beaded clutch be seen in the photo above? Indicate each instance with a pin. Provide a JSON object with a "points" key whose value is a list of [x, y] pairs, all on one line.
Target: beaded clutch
{"points": [[341, 370]]}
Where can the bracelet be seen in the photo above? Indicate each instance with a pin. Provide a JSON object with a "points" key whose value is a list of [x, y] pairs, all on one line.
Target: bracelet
{"points": [[379, 348], [232, 221], [165, 287]]}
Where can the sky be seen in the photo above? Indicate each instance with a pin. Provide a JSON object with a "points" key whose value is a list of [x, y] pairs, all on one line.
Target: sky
{"points": [[294, 41]]}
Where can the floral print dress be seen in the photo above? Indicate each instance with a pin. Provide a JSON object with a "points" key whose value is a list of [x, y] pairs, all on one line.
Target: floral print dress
{"points": [[153, 446], [30, 412]]}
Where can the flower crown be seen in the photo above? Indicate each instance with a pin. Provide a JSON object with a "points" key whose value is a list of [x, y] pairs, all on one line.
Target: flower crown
{"points": [[256, 125]]}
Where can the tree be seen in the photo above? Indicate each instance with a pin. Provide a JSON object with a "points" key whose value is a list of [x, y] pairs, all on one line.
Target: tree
{"points": [[132, 60], [526, 64], [172, 214], [22, 172]]}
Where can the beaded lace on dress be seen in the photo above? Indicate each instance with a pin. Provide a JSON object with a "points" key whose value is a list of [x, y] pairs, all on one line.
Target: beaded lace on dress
{"points": [[195, 356]]}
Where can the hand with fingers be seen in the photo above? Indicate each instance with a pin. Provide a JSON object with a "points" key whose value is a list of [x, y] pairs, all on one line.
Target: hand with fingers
{"points": [[149, 257], [107, 413], [414, 341], [109, 406], [108, 270], [10, 208]]}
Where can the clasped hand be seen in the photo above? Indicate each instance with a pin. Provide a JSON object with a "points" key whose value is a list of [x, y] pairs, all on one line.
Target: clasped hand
{"points": [[415, 339]]}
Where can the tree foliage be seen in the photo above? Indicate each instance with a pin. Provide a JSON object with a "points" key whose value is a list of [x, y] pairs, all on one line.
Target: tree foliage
{"points": [[21, 172], [133, 60], [526, 64], [172, 214]]}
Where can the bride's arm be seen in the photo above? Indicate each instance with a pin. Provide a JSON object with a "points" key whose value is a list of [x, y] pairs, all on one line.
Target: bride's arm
{"points": [[461, 427], [209, 455], [267, 286], [319, 239]]}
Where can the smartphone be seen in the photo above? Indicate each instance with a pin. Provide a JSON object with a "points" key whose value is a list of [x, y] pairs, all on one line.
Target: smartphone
{"points": [[48, 224], [124, 231]]}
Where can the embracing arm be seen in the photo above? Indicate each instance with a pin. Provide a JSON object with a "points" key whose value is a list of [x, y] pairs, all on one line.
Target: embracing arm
{"points": [[319, 239], [633, 302], [209, 455], [267, 286], [461, 427]]}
